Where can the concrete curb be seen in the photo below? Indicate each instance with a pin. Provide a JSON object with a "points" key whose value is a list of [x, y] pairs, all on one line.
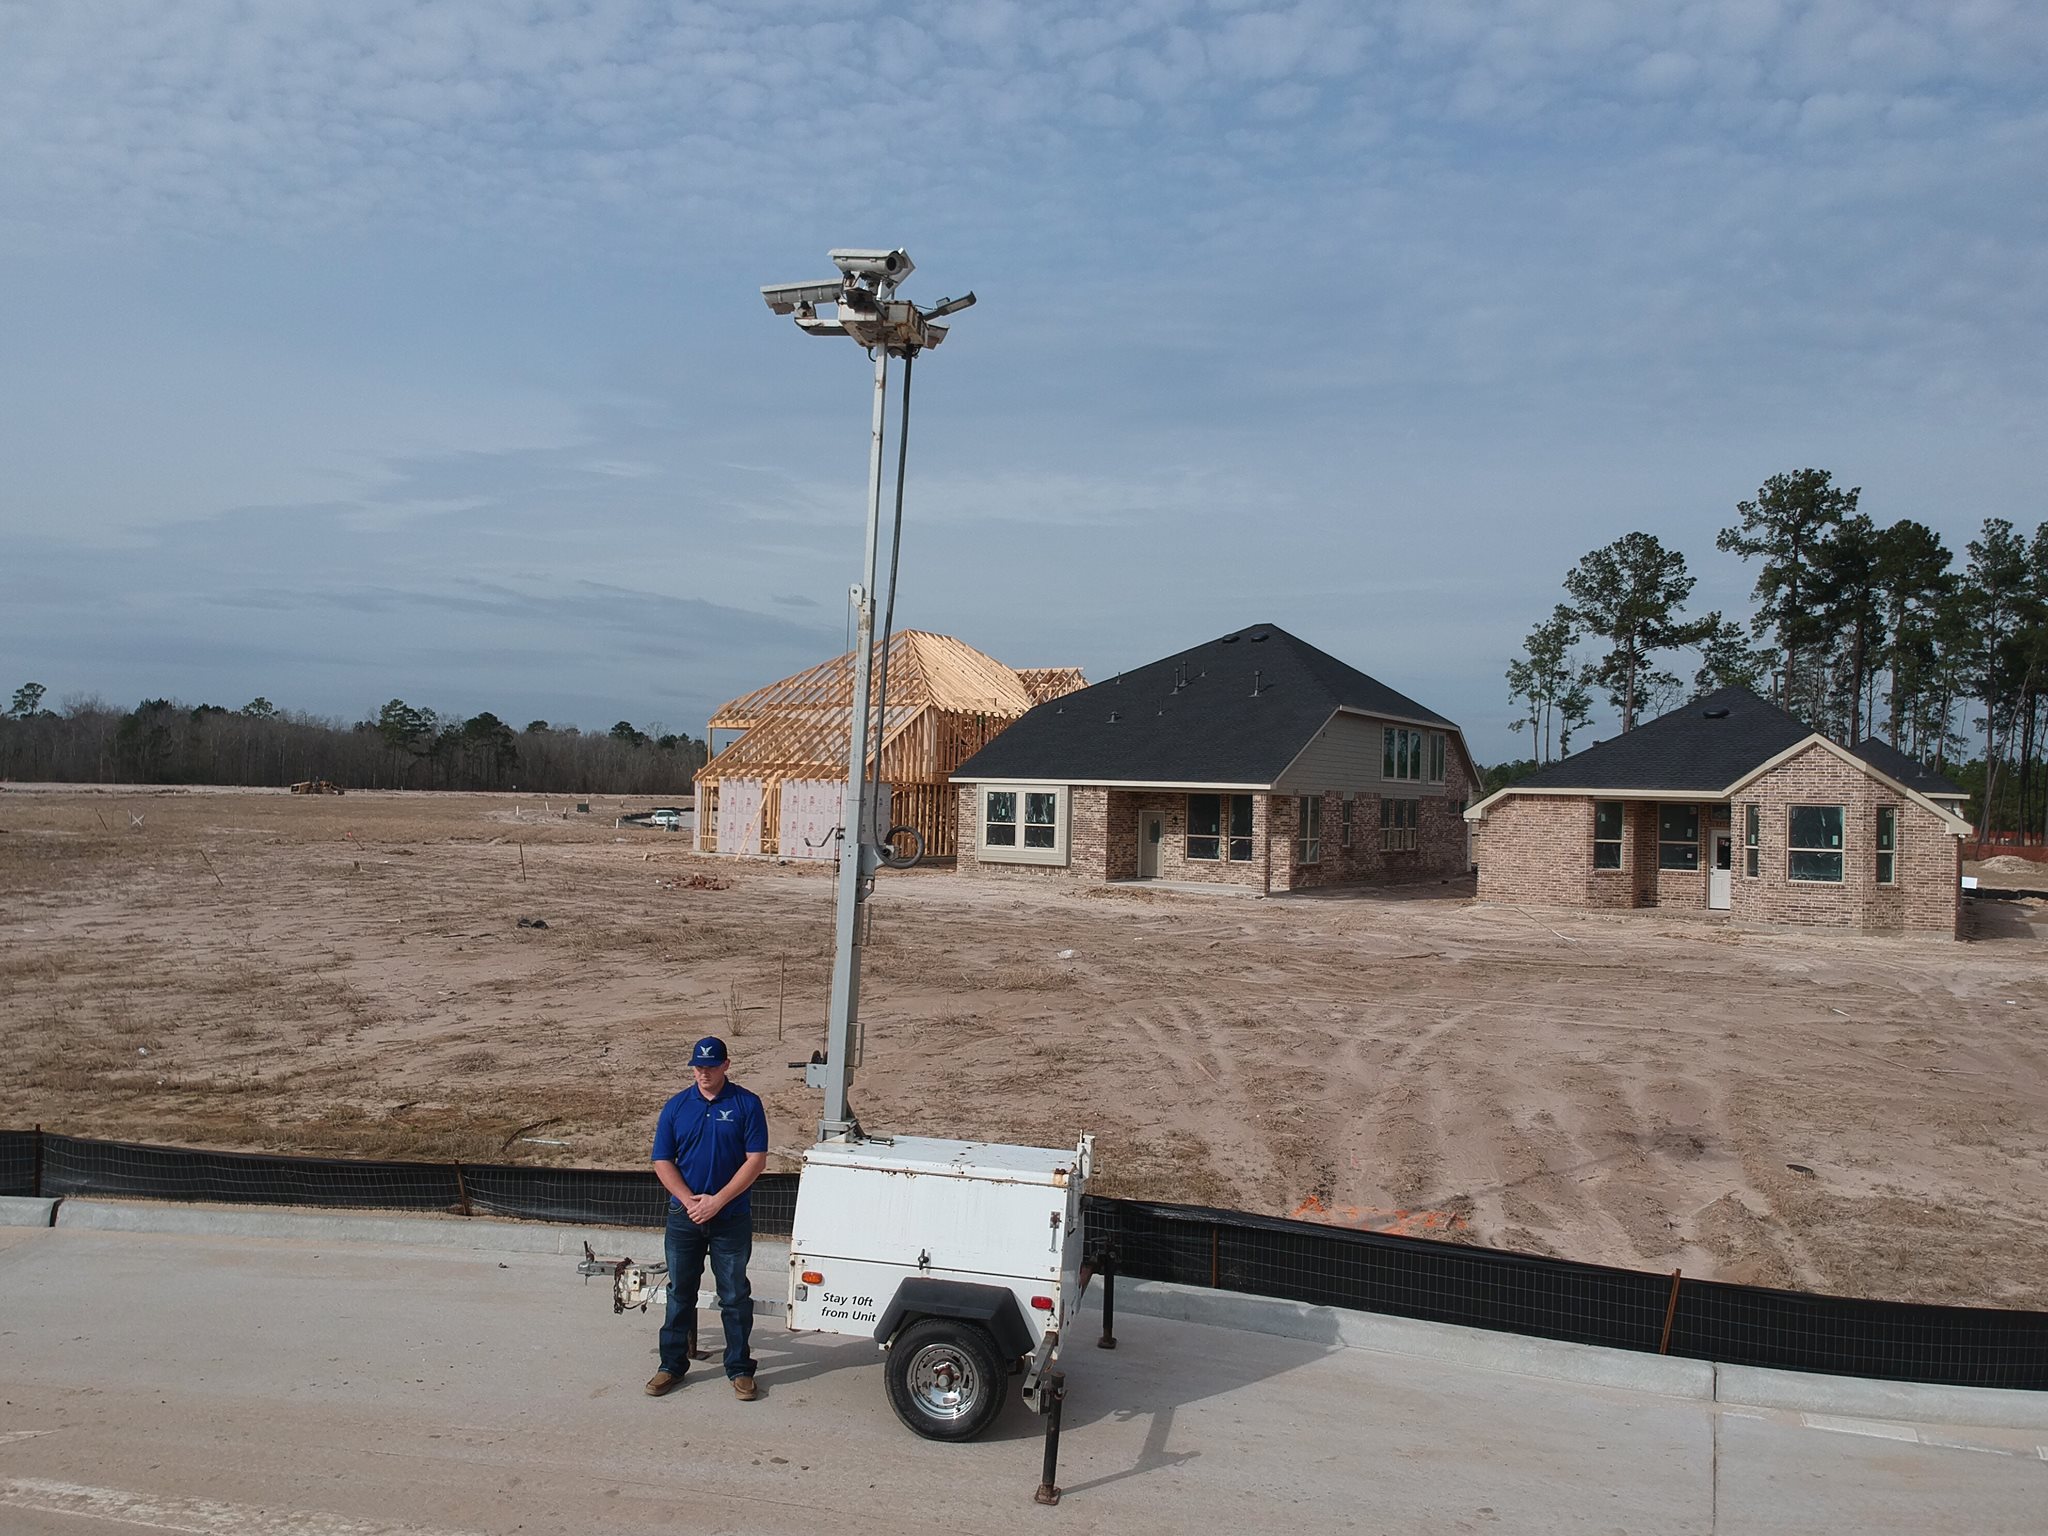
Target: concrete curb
{"points": [[1751, 1386], [1477, 1348], [26, 1211]]}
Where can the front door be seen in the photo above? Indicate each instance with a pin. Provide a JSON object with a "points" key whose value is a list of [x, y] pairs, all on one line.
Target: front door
{"points": [[1151, 833], [1720, 873]]}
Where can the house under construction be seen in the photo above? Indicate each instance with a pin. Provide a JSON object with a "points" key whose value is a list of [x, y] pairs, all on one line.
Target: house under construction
{"points": [[778, 789]]}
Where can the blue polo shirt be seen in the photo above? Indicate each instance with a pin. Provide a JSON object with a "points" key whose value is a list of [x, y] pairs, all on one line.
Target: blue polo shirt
{"points": [[708, 1139]]}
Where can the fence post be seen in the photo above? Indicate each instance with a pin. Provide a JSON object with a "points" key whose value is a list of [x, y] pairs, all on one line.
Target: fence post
{"points": [[37, 1185], [462, 1189], [1670, 1312]]}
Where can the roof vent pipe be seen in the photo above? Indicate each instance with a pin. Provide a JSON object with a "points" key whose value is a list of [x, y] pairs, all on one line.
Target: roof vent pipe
{"points": [[1255, 682]]}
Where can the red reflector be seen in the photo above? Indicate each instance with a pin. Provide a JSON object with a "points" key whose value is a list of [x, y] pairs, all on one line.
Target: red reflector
{"points": [[1042, 1303], [812, 1277]]}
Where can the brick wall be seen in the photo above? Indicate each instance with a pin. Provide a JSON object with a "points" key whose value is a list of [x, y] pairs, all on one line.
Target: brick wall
{"points": [[1103, 828], [1685, 889], [1125, 808], [1087, 838], [1926, 898], [1441, 843], [1539, 849]]}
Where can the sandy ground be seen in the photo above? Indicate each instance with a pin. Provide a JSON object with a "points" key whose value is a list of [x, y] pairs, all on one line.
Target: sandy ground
{"points": [[247, 969]]}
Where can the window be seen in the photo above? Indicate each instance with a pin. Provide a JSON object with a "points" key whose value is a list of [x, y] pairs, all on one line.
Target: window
{"points": [[1311, 829], [1436, 757], [1020, 825], [1400, 753], [999, 819], [1344, 826], [1041, 819], [1814, 843], [1887, 845], [1607, 834], [1678, 837], [1205, 827], [1397, 825], [1752, 839]]}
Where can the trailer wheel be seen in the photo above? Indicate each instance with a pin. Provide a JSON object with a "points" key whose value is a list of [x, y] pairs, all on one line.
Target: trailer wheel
{"points": [[946, 1378]]}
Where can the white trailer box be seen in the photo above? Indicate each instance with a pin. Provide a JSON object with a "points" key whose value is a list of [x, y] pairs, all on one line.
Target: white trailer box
{"points": [[960, 1257]]}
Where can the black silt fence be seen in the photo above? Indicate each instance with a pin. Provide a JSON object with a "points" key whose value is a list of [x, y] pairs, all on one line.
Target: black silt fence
{"points": [[1188, 1245], [1580, 1303], [71, 1166], [1377, 1272], [607, 1196], [18, 1162]]}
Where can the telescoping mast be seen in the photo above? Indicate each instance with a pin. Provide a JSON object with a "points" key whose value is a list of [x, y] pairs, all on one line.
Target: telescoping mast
{"points": [[960, 1259]]}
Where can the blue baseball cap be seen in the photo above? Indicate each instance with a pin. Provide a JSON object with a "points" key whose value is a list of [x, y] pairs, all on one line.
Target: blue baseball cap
{"points": [[709, 1052]]}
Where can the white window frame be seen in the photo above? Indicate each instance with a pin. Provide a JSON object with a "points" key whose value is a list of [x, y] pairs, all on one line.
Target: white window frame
{"points": [[1018, 853], [1840, 850], [1308, 837], [1398, 835], [1438, 752], [1344, 824], [1752, 842], [1887, 872]]}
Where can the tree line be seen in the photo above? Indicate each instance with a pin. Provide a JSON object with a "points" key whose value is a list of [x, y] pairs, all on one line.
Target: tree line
{"points": [[161, 741], [1859, 630]]}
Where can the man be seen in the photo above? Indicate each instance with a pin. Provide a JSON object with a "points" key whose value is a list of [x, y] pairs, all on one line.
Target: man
{"points": [[710, 1144]]}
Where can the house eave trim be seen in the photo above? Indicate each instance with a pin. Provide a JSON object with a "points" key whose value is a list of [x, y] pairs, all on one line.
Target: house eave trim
{"points": [[1170, 784]]}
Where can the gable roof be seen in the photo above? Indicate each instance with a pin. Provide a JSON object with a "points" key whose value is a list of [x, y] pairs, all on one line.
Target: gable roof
{"points": [[1907, 770], [1703, 746], [1711, 747], [800, 726], [1234, 711]]}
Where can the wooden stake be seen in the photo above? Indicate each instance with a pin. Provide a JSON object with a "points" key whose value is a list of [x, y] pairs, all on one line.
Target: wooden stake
{"points": [[522, 863], [211, 870], [781, 987], [1670, 1312]]}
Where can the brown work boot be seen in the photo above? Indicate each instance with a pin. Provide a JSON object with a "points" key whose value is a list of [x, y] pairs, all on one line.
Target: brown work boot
{"points": [[661, 1383], [744, 1387]]}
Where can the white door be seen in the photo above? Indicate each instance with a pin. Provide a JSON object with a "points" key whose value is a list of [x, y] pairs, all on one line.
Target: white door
{"points": [[1151, 833], [1720, 873]]}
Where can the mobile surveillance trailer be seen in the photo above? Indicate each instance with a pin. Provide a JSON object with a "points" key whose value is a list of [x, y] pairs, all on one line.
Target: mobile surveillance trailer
{"points": [[962, 1259]]}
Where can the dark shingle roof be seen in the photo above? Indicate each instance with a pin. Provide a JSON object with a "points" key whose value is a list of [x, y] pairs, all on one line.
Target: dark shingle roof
{"points": [[1193, 718], [1705, 745], [1909, 771]]}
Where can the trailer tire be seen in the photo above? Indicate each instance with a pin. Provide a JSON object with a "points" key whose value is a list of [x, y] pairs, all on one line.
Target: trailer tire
{"points": [[946, 1378]]}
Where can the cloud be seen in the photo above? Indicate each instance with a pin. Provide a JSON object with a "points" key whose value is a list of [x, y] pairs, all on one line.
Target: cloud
{"points": [[414, 334]]}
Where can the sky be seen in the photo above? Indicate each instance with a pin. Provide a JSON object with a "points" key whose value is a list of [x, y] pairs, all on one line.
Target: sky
{"points": [[415, 349]]}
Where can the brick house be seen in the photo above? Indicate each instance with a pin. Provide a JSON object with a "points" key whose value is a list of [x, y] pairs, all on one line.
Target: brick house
{"points": [[1254, 760], [1731, 804]]}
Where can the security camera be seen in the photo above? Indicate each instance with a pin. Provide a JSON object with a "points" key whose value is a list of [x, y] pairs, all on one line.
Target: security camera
{"points": [[887, 267], [787, 298]]}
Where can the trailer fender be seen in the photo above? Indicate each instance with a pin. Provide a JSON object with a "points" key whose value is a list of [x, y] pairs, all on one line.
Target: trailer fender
{"points": [[993, 1306]]}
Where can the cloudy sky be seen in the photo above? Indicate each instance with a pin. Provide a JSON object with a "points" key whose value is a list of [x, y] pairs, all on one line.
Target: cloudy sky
{"points": [[413, 349]]}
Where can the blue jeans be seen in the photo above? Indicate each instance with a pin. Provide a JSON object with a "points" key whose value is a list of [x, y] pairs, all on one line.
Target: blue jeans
{"points": [[728, 1239]]}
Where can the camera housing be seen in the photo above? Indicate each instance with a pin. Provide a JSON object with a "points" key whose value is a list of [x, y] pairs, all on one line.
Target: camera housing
{"points": [[884, 268]]}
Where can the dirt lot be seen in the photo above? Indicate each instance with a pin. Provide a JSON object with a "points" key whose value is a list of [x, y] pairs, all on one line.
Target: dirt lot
{"points": [[242, 969]]}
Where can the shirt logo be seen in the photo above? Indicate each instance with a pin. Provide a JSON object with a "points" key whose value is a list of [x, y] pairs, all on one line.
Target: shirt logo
{"points": [[725, 1114]]}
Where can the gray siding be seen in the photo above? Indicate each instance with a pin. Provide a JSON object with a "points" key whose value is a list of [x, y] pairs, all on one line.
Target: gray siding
{"points": [[1347, 754]]}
